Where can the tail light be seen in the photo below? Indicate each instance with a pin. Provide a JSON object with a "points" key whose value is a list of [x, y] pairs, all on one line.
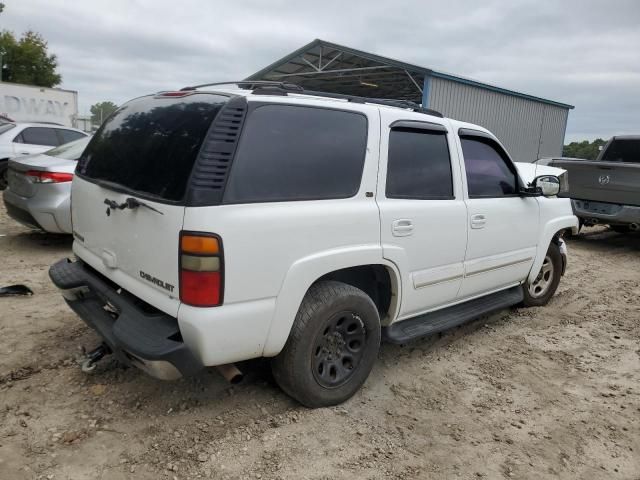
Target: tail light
{"points": [[37, 176], [201, 269]]}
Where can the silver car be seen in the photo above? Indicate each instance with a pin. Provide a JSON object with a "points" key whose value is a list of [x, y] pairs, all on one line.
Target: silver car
{"points": [[39, 190], [18, 139]]}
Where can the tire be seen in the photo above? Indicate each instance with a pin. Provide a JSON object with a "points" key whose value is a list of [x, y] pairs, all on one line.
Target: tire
{"points": [[540, 291], [332, 346], [620, 228], [4, 181]]}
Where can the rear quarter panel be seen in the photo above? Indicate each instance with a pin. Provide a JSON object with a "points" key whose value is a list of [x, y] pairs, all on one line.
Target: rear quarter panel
{"points": [[273, 252]]}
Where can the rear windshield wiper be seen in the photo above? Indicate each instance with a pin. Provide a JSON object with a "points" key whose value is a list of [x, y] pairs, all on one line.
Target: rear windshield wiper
{"points": [[131, 203]]}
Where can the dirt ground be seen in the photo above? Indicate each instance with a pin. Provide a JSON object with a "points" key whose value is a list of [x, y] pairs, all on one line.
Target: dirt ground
{"points": [[542, 393]]}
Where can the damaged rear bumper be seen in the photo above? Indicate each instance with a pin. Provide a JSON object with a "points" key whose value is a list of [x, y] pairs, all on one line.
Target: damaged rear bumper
{"points": [[136, 333]]}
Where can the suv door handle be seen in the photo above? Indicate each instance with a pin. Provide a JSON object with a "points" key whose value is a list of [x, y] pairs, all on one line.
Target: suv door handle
{"points": [[402, 227], [478, 220]]}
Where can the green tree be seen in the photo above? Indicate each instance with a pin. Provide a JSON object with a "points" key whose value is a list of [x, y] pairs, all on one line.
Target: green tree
{"points": [[101, 110], [27, 60], [585, 149]]}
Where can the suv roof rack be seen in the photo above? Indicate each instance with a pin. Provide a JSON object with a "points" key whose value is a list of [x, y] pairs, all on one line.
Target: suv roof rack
{"points": [[251, 85], [407, 104], [268, 87]]}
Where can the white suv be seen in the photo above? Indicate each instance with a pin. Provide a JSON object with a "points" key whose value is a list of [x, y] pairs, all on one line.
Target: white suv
{"points": [[265, 221]]}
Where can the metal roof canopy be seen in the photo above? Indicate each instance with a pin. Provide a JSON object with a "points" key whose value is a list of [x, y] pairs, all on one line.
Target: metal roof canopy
{"points": [[329, 67]]}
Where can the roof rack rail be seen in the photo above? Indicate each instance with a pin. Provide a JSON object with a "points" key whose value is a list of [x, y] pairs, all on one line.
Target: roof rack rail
{"points": [[268, 87], [250, 84], [408, 104]]}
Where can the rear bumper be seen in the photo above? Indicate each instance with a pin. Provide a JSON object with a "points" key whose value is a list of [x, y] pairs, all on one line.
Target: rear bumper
{"points": [[138, 334], [49, 211], [601, 212]]}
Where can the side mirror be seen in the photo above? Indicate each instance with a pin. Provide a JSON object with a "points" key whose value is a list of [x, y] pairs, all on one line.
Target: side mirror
{"points": [[548, 185]]}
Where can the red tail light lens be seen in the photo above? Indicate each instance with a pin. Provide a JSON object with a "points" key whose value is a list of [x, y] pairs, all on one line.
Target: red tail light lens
{"points": [[200, 289], [38, 176], [201, 269]]}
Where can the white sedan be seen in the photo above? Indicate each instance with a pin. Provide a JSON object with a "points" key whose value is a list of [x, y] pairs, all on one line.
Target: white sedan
{"points": [[17, 139]]}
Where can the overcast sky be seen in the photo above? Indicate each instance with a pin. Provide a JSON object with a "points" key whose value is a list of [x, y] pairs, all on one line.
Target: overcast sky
{"points": [[585, 53]]}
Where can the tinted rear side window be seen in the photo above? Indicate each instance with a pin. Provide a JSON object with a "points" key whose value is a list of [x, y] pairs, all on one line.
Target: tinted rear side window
{"points": [[150, 144], [69, 135], [40, 136], [418, 166], [298, 153], [622, 151]]}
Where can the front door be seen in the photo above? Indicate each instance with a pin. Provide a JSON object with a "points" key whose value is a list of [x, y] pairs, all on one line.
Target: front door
{"points": [[35, 140], [423, 215], [503, 225]]}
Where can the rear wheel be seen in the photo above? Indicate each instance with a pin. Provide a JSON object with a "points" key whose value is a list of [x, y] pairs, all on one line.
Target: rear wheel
{"points": [[332, 346], [541, 289]]}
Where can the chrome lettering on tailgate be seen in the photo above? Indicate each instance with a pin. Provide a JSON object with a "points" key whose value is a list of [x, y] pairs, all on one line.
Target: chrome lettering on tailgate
{"points": [[156, 281]]}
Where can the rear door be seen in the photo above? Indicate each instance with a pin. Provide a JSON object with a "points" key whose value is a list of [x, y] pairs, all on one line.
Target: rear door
{"points": [[503, 226], [145, 151], [423, 216]]}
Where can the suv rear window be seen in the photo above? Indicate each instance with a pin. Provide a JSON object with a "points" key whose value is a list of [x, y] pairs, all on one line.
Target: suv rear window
{"points": [[289, 152], [622, 151], [149, 145]]}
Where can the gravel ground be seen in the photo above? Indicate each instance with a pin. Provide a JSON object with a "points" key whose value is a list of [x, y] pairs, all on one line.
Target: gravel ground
{"points": [[541, 393]]}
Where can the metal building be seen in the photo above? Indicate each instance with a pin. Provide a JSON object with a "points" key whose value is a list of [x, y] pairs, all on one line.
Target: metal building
{"points": [[530, 127]]}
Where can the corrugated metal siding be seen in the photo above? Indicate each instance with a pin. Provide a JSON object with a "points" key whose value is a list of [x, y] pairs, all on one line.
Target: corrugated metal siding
{"points": [[553, 130], [528, 129]]}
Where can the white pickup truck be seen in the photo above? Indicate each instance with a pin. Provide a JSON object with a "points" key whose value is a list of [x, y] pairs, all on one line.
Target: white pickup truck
{"points": [[214, 225]]}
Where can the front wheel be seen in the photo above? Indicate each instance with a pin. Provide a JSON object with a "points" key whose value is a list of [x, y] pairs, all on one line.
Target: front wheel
{"points": [[332, 346], [538, 292]]}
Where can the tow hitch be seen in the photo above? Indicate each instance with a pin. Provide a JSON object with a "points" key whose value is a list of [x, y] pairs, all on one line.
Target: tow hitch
{"points": [[89, 360]]}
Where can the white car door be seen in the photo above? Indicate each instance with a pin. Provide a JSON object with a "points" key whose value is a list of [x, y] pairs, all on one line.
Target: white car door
{"points": [[35, 140], [422, 210], [503, 223]]}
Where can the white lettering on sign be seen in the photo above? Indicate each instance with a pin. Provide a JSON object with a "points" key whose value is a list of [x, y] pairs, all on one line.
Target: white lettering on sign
{"points": [[33, 106]]}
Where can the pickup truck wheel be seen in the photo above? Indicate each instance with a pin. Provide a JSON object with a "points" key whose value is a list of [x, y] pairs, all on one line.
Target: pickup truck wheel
{"points": [[332, 346], [540, 291]]}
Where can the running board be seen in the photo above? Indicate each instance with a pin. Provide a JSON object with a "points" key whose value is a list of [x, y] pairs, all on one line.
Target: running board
{"points": [[441, 320]]}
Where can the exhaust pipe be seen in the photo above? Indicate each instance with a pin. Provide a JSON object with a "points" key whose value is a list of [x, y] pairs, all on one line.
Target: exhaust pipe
{"points": [[230, 373]]}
